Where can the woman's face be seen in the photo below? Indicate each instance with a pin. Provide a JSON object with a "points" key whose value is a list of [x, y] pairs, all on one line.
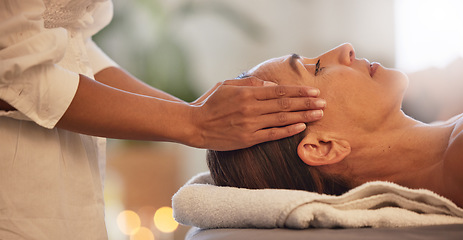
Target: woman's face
{"points": [[357, 92]]}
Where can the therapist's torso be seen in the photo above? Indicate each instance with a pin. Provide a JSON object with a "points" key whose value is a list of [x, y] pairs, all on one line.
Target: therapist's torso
{"points": [[51, 180]]}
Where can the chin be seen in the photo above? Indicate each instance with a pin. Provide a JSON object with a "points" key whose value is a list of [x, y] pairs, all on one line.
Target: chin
{"points": [[398, 79], [402, 79]]}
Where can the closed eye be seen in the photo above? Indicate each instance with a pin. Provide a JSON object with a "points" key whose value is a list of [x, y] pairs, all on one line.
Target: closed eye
{"points": [[318, 69]]}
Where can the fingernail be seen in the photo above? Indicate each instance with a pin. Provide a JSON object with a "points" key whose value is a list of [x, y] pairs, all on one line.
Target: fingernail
{"points": [[313, 92], [300, 127], [320, 103], [268, 83], [317, 114]]}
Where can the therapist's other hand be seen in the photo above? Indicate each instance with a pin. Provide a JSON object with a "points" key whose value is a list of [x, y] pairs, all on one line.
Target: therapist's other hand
{"points": [[240, 113]]}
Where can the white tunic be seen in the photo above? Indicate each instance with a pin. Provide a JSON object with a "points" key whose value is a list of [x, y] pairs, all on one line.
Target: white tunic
{"points": [[50, 179]]}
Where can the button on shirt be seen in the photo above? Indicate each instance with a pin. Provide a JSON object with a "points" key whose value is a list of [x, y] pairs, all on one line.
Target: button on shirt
{"points": [[51, 180]]}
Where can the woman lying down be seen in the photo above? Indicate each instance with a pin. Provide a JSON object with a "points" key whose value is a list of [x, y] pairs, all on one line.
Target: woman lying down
{"points": [[364, 145], [364, 136]]}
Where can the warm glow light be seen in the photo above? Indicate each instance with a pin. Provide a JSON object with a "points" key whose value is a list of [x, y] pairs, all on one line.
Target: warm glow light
{"points": [[164, 220], [143, 233], [128, 222]]}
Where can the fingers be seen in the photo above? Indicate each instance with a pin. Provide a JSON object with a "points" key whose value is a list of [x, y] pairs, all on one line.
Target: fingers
{"points": [[271, 127], [287, 118], [272, 134], [290, 125], [289, 105], [270, 90], [277, 125], [280, 91]]}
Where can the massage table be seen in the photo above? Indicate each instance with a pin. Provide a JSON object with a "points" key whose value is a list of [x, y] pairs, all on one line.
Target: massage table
{"points": [[437, 232], [375, 210]]}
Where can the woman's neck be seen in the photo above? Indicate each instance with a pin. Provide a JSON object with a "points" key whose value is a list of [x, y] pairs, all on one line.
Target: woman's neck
{"points": [[406, 152]]}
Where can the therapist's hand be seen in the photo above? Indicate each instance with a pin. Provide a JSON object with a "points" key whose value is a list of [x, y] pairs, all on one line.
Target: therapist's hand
{"points": [[243, 112]]}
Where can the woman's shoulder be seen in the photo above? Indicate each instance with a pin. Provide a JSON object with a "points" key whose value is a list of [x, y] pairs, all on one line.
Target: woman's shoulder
{"points": [[453, 162], [453, 157]]}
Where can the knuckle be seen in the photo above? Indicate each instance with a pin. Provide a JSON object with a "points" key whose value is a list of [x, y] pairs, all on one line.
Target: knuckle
{"points": [[244, 124], [280, 90], [284, 103], [287, 131], [247, 125], [305, 115], [308, 103], [282, 117], [272, 134], [254, 81], [247, 109], [290, 131], [244, 94]]}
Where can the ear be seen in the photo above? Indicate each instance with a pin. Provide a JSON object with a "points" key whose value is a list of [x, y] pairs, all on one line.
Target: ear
{"points": [[316, 150]]}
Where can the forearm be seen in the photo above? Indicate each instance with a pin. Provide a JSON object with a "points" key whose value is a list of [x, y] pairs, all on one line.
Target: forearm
{"points": [[100, 110], [234, 114], [120, 79]]}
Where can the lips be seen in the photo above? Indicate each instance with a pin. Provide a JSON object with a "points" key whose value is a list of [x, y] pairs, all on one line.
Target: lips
{"points": [[373, 67]]}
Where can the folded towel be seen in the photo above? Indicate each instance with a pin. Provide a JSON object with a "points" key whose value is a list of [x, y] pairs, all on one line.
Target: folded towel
{"points": [[375, 204]]}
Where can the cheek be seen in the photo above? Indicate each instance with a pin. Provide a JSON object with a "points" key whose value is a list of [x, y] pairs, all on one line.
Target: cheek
{"points": [[347, 88], [343, 102], [393, 85], [355, 101]]}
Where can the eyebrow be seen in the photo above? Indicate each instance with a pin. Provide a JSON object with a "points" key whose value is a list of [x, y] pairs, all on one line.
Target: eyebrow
{"points": [[292, 62]]}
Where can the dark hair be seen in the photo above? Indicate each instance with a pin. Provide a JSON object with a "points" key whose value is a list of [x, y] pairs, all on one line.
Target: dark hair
{"points": [[274, 164]]}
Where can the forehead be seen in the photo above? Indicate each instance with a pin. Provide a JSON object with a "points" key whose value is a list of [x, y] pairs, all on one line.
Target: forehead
{"points": [[268, 63], [287, 69]]}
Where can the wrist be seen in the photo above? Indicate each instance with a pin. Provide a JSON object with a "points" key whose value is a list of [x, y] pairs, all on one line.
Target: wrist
{"points": [[193, 135]]}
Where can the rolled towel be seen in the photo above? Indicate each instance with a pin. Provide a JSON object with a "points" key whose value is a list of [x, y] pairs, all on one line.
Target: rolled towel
{"points": [[201, 204]]}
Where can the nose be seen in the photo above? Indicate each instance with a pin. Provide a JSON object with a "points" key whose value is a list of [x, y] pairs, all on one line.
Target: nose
{"points": [[342, 54], [345, 53]]}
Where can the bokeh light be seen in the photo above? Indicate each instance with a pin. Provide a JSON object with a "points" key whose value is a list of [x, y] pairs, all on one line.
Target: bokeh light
{"points": [[128, 222], [143, 233], [164, 220]]}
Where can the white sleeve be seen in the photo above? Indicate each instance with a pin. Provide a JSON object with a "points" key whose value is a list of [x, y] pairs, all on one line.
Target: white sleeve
{"points": [[30, 79], [98, 59], [102, 17]]}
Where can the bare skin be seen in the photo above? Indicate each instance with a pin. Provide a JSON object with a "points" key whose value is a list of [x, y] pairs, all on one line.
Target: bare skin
{"points": [[411, 154], [234, 114], [364, 135]]}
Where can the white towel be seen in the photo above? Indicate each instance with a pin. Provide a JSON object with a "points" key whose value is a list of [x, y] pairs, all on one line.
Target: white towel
{"points": [[375, 204]]}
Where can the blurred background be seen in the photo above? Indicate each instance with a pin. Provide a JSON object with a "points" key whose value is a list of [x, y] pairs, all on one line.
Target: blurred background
{"points": [[185, 46]]}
